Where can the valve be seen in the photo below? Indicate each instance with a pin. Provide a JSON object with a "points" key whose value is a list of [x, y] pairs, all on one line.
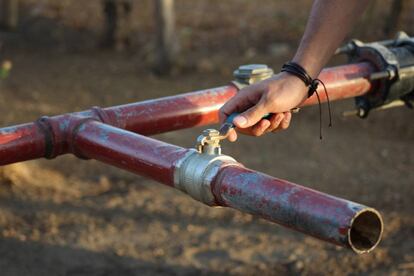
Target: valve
{"points": [[209, 142], [195, 172]]}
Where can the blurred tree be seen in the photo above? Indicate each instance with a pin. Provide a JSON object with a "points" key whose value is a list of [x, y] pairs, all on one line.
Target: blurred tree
{"points": [[393, 22], [117, 24], [166, 43], [9, 14], [5, 69]]}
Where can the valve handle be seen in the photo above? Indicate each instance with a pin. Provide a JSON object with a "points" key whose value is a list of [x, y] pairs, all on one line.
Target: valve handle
{"points": [[228, 124]]}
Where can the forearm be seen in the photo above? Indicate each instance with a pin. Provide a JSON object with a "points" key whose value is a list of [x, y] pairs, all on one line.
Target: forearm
{"points": [[328, 24]]}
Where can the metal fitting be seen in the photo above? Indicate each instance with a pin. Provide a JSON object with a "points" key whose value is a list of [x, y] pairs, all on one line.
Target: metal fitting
{"points": [[394, 80], [194, 173], [209, 142], [251, 73]]}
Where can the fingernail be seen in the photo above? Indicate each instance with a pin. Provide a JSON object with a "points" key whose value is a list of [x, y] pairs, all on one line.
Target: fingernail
{"points": [[240, 121]]}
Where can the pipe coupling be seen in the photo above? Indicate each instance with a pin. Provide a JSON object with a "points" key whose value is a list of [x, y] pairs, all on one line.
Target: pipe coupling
{"points": [[195, 172]]}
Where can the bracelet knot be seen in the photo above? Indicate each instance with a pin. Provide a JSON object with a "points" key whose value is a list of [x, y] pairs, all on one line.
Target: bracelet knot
{"points": [[295, 69]]}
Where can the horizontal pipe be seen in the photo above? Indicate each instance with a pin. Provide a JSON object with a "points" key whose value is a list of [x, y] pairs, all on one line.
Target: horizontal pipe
{"points": [[187, 110], [47, 137], [124, 149], [201, 107], [326, 217], [20, 143], [343, 82]]}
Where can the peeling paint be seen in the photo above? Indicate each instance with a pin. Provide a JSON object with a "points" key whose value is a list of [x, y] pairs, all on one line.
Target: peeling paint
{"points": [[314, 213]]}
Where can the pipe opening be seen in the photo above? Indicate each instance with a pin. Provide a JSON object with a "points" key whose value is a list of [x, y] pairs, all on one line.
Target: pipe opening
{"points": [[366, 231]]}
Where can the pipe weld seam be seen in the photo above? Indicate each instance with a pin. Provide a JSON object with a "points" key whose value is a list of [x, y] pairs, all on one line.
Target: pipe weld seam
{"points": [[46, 128], [101, 114]]}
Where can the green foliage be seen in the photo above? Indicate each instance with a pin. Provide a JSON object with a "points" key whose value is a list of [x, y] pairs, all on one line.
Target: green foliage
{"points": [[5, 69]]}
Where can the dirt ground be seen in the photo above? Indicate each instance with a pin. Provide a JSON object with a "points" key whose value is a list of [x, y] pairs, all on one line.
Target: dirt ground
{"points": [[72, 217]]}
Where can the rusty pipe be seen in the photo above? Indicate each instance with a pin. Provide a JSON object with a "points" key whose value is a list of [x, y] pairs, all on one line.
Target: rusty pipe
{"points": [[201, 107], [326, 217], [47, 136], [218, 180]]}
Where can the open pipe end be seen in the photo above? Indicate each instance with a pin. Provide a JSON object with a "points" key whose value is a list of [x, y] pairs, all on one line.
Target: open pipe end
{"points": [[366, 231]]}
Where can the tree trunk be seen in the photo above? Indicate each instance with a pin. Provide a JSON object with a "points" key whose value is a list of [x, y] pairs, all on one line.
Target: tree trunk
{"points": [[9, 14], [166, 44], [393, 21], [117, 24]]}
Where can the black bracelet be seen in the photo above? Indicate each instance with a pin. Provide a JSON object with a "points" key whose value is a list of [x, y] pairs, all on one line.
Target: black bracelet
{"points": [[297, 70], [300, 72]]}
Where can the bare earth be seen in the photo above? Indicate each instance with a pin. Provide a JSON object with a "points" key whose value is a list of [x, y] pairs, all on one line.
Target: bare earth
{"points": [[73, 217]]}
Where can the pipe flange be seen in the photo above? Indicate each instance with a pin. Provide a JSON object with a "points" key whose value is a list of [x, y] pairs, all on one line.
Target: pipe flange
{"points": [[194, 173], [251, 73]]}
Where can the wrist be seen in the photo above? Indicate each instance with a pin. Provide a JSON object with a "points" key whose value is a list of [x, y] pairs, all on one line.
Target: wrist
{"points": [[312, 65], [300, 87]]}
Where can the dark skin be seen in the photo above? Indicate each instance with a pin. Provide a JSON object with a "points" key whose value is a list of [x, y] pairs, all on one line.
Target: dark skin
{"points": [[327, 26]]}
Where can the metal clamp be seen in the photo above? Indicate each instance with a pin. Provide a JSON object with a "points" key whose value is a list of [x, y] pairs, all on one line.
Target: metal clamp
{"points": [[394, 60]]}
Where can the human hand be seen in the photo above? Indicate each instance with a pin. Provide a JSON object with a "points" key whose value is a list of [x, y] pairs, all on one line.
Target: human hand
{"points": [[276, 95]]}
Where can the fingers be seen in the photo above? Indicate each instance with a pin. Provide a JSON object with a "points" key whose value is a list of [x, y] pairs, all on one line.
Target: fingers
{"points": [[285, 122], [252, 116], [279, 121], [260, 128], [275, 121], [232, 135], [245, 98]]}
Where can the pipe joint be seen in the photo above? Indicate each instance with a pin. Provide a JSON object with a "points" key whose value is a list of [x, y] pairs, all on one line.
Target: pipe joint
{"points": [[59, 131], [195, 172]]}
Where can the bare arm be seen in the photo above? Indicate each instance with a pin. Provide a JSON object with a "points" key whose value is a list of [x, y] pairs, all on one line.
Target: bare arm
{"points": [[328, 24]]}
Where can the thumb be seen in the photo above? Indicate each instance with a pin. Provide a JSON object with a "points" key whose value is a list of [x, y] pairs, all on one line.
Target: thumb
{"points": [[251, 116]]}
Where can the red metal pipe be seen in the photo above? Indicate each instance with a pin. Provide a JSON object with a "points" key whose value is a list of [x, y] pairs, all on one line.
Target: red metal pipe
{"points": [[47, 136], [88, 134], [21, 142], [133, 152], [201, 108], [172, 113], [323, 216], [326, 217], [342, 82]]}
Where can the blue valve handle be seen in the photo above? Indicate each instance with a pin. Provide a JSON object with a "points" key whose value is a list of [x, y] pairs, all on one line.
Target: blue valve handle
{"points": [[233, 115], [228, 124]]}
